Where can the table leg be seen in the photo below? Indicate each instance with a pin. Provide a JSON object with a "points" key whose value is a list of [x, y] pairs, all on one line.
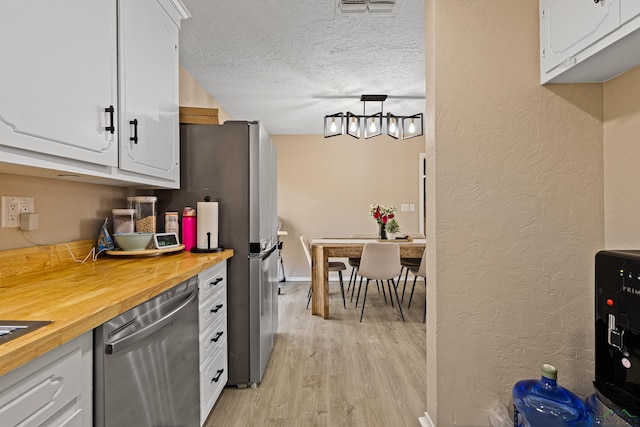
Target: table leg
{"points": [[319, 282]]}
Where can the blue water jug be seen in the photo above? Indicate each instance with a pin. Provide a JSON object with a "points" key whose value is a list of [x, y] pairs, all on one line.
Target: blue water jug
{"points": [[543, 403]]}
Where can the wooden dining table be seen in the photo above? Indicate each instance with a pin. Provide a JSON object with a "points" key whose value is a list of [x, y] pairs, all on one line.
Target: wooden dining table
{"points": [[323, 249]]}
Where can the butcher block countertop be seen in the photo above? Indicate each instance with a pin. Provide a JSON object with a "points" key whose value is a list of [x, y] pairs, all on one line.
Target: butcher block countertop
{"points": [[44, 283]]}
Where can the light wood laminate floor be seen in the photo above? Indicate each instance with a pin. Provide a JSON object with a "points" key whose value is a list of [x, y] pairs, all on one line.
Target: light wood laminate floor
{"points": [[337, 372]]}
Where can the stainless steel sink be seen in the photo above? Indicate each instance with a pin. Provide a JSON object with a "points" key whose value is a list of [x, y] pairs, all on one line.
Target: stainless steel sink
{"points": [[11, 329]]}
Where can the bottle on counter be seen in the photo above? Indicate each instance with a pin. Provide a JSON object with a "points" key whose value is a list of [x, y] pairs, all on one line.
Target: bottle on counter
{"points": [[543, 403], [189, 228], [171, 222]]}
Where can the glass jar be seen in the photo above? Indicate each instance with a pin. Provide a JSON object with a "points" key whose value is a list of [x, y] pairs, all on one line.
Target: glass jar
{"points": [[123, 220], [171, 222], [145, 208]]}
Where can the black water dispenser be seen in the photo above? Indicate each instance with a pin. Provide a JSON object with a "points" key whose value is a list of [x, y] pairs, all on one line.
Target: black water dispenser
{"points": [[617, 332]]}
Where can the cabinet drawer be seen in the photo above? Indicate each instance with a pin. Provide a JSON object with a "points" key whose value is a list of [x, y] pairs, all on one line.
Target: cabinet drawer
{"points": [[74, 420], [211, 340], [213, 311], [212, 380], [41, 394], [212, 281]]}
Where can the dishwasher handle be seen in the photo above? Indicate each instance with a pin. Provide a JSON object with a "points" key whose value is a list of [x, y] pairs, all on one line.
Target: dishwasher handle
{"points": [[118, 345]]}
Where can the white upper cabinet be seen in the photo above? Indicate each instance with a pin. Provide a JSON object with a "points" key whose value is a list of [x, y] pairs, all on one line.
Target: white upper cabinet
{"points": [[55, 85], [149, 135], [629, 9], [588, 40], [80, 79], [572, 25]]}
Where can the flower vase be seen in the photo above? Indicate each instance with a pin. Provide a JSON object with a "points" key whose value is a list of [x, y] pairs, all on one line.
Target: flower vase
{"points": [[383, 232]]}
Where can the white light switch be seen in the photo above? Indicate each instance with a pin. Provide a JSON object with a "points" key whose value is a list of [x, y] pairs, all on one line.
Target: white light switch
{"points": [[404, 207], [412, 207]]}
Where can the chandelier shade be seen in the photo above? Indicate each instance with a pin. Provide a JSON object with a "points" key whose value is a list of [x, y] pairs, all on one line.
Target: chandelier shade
{"points": [[333, 125], [372, 125], [412, 126], [393, 126], [353, 125]]}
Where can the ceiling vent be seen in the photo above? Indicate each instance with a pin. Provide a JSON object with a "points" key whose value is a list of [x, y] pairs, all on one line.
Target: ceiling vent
{"points": [[374, 7]]}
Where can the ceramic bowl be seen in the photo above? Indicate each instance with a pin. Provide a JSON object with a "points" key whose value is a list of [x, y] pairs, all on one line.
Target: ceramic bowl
{"points": [[133, 241]]}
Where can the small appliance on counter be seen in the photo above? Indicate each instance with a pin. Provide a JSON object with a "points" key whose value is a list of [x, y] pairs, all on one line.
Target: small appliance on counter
{"points": [[617, 337]]}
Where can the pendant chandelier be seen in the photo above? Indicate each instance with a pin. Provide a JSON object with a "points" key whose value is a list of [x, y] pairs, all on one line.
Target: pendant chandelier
{"points": [[368, 126]]}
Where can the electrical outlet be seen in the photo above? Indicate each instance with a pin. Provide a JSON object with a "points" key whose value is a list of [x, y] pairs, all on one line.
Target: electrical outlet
{"points": [[12, 207]]}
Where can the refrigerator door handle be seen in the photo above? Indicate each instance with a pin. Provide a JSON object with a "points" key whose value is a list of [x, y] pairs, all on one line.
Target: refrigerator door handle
{"points": [[264, 255]]}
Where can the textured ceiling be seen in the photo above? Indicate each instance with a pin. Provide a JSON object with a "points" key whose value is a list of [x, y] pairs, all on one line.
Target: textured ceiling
{"points": [[288, 63]]}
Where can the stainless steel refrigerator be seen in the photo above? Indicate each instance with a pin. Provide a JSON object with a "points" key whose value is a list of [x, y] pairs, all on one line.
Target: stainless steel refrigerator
{"points": [[235, 165]]}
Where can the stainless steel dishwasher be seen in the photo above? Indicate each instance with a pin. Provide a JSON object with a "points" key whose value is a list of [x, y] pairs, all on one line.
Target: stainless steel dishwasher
{"points": [[146, 363]]}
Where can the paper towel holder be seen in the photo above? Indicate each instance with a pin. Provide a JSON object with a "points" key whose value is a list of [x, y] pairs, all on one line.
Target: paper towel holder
{"points": [[207, 250]]}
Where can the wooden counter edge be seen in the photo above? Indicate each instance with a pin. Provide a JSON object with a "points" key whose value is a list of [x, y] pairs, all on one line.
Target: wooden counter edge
{"points": [[20, 351]]}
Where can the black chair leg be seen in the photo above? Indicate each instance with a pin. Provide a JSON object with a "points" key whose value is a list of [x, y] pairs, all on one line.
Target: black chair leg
{"points": [[391, 297], [359, 287], [351, 278], [344, 302], [383, 292], [399, 305], [412, 289], [308, 297], [406, 276], [355, 277], [364, 300]]}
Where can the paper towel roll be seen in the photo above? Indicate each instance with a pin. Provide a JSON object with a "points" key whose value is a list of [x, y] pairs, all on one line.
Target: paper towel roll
{"points": [[207, 230]]}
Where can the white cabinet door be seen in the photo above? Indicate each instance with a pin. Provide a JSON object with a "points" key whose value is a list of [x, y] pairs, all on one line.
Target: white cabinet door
{"points": [[148, 90], [55, 389], [569, 26], [57, 75], [629, 9]]}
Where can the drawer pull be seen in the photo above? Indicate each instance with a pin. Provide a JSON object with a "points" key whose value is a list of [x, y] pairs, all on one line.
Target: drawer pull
{"points": [[217, 377], [217, 337], [134, 138], [218, 307], [111, 128], [215, 282]]}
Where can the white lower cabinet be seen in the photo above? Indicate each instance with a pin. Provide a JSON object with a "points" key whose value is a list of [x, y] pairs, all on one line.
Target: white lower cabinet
{"points": [[212, 284], [53, 390]]}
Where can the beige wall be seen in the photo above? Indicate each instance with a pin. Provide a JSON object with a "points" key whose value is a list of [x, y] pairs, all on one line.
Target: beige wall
{"points": [[68, 210], [515, 211], [193, 95], [621, 157], [325, 187]]}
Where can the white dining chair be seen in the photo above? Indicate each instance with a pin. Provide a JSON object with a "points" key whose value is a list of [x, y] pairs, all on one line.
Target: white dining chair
{"points": [[380, 261], [333, 266]]}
